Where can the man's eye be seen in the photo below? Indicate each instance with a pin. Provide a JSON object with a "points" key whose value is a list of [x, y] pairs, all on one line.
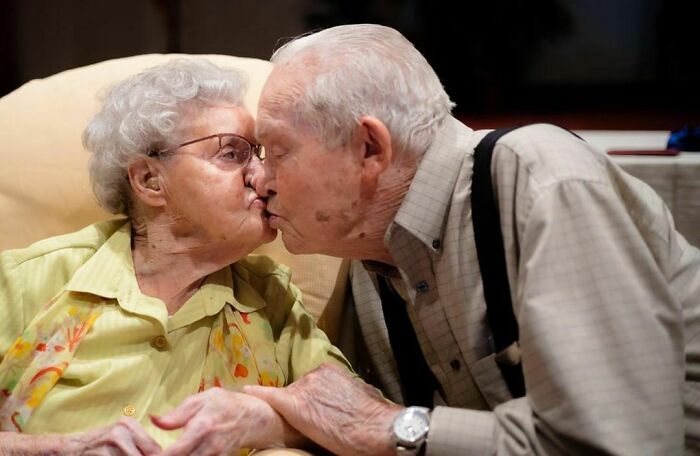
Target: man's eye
{"points": [[278, 152]]}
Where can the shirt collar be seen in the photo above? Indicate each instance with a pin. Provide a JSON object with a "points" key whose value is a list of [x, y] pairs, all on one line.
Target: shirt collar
{"points": [[110, 273], [382, 269], [424, 208]]}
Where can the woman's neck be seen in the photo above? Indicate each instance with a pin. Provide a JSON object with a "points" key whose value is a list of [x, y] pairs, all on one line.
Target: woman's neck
{"points": [[172, 266]]}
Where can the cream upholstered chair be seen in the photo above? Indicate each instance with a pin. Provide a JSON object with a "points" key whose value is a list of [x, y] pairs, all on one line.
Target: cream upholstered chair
{"points": [[44, 185]]}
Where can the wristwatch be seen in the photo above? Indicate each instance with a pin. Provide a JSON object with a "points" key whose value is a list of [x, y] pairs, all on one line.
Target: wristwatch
{"points": [[411, 430]]}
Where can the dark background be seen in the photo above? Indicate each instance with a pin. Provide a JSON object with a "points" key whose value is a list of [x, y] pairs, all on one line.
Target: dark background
{"points": [[622, 64]]}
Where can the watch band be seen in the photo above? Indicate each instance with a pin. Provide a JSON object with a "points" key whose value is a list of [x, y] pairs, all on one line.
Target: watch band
{"points": [[418, 451]]}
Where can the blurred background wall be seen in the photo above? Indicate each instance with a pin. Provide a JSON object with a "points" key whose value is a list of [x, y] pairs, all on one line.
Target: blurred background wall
{"points": [[582, 63]]}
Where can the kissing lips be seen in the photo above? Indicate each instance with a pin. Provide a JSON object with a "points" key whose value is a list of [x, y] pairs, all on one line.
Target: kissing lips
{"points": [[272, 219]]}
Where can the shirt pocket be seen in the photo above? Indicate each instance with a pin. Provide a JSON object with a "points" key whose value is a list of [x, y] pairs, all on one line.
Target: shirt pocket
{"points": [[488, 378]]}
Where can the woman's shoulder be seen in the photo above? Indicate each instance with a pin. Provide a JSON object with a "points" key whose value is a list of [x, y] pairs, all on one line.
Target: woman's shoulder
{"points": [[31, 276], [263, 269], [269, 280], [40, 270], [85, 241]]}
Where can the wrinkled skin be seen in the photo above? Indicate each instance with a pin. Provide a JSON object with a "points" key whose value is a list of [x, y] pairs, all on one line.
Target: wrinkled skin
{"points": [[217, 421], [126, 437], [339, 412]]}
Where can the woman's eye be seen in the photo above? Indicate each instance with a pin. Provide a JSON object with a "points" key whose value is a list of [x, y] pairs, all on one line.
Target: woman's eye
{"points": [[229, 153], [234, 154]]}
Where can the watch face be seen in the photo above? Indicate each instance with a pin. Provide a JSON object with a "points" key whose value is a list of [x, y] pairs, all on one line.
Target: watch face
{"points": [[411, 426]]}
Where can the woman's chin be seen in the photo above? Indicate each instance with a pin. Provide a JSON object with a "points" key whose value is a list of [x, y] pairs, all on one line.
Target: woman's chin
{"points": [[269, 235]]}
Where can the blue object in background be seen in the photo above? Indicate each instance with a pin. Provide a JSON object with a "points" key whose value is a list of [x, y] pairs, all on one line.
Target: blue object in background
{"points": [[685, 139]]}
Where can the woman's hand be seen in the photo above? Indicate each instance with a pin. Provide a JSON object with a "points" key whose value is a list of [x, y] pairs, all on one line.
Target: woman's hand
{"points": [[123, 438], [217, 421]]}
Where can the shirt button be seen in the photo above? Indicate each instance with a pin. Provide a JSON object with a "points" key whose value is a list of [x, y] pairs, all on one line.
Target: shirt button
{"points": [[160, 342], [129, 410], [436, 244], [422, 287], [455, 365]]}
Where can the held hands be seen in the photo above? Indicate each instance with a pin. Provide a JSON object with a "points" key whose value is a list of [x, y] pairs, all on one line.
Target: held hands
{"points": [[339, 412], [217, 421], [125, 437], [329, 406]]}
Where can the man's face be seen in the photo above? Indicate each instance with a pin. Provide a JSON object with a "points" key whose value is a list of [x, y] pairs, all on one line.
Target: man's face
{"points": [[313, 192]]}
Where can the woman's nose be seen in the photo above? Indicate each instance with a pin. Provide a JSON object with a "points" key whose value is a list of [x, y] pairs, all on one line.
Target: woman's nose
{"points": [[255, 176]]}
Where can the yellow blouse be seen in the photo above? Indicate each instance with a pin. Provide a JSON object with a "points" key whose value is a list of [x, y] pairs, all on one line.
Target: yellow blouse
{"points": [[136, 360]]}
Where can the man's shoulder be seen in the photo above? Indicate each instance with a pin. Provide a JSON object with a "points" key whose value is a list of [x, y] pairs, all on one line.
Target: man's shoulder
{"points": [[550, 154]]}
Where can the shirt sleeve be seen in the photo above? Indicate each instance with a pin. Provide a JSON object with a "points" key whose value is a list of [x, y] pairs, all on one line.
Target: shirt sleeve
{"points": [[29, 278], [11, 302], [601, 337]]}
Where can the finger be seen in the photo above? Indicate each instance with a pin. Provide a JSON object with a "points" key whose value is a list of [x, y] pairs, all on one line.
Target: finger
{"points": [[179, 416], [278, 398], [121, 441], [184, 446], [270, 394], [143, 441]]}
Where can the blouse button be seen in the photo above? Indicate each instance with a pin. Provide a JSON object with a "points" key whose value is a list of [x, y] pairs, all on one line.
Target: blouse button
{"points": [[129, 410], [160, 342], [422, 287]]}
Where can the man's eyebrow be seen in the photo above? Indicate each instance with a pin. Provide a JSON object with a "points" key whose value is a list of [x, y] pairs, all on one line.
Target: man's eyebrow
{"points": [[265, 129]]}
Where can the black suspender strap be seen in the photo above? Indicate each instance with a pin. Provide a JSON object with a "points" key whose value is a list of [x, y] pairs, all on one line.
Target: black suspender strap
{"points": [[418, 381], [492, 263]]}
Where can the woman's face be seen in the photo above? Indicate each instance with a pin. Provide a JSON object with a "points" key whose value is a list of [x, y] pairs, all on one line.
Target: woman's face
{"points": [[207, 197]]}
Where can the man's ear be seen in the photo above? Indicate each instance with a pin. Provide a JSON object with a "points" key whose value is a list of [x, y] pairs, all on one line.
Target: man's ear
{"points": [[146, 183], [376, 149]]}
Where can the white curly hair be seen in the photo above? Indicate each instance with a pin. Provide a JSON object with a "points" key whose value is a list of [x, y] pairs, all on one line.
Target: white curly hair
{"points": [[143, 112]]}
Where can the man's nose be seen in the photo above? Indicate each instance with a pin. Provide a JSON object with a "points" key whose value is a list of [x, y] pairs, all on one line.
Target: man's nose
{"points": [[258, 177]]}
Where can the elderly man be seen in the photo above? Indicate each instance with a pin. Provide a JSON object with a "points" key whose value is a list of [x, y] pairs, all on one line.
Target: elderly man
{"points": [[364, 161]]}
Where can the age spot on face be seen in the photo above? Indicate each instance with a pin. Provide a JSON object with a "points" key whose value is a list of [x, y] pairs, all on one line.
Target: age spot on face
{"points": [[322, 217]]}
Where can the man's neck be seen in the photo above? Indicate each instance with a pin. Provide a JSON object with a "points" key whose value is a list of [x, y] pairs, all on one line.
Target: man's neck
{"points": [[366, 240]]}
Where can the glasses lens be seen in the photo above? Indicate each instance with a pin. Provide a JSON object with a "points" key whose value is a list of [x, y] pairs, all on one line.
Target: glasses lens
{"points": [[235, 148]]}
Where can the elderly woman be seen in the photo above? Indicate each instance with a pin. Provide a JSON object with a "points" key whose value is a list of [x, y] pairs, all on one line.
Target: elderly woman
{"points": [[132, 334]]}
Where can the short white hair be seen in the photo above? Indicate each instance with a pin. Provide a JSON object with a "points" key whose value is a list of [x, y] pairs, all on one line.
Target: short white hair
{"points": [[144, 112], [366, 69]]}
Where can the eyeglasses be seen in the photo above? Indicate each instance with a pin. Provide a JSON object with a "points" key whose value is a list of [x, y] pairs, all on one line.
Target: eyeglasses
{"points": [[231, 147]]}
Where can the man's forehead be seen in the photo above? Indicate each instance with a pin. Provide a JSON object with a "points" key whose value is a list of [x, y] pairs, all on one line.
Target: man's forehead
{"points": [[277, 99], [269, 123]]}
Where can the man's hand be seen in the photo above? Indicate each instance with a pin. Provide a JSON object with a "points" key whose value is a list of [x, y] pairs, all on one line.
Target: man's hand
{"points": [[341, 413], [217, 421], [125, 437]]}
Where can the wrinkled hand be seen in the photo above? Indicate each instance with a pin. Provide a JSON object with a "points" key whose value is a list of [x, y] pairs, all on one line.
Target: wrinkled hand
{"points": [[339, 412], [217, 421], [125, 437]]}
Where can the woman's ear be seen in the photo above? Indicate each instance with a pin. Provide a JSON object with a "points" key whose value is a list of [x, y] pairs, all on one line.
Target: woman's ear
{"points": [[146, 183], [376, 150]]}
